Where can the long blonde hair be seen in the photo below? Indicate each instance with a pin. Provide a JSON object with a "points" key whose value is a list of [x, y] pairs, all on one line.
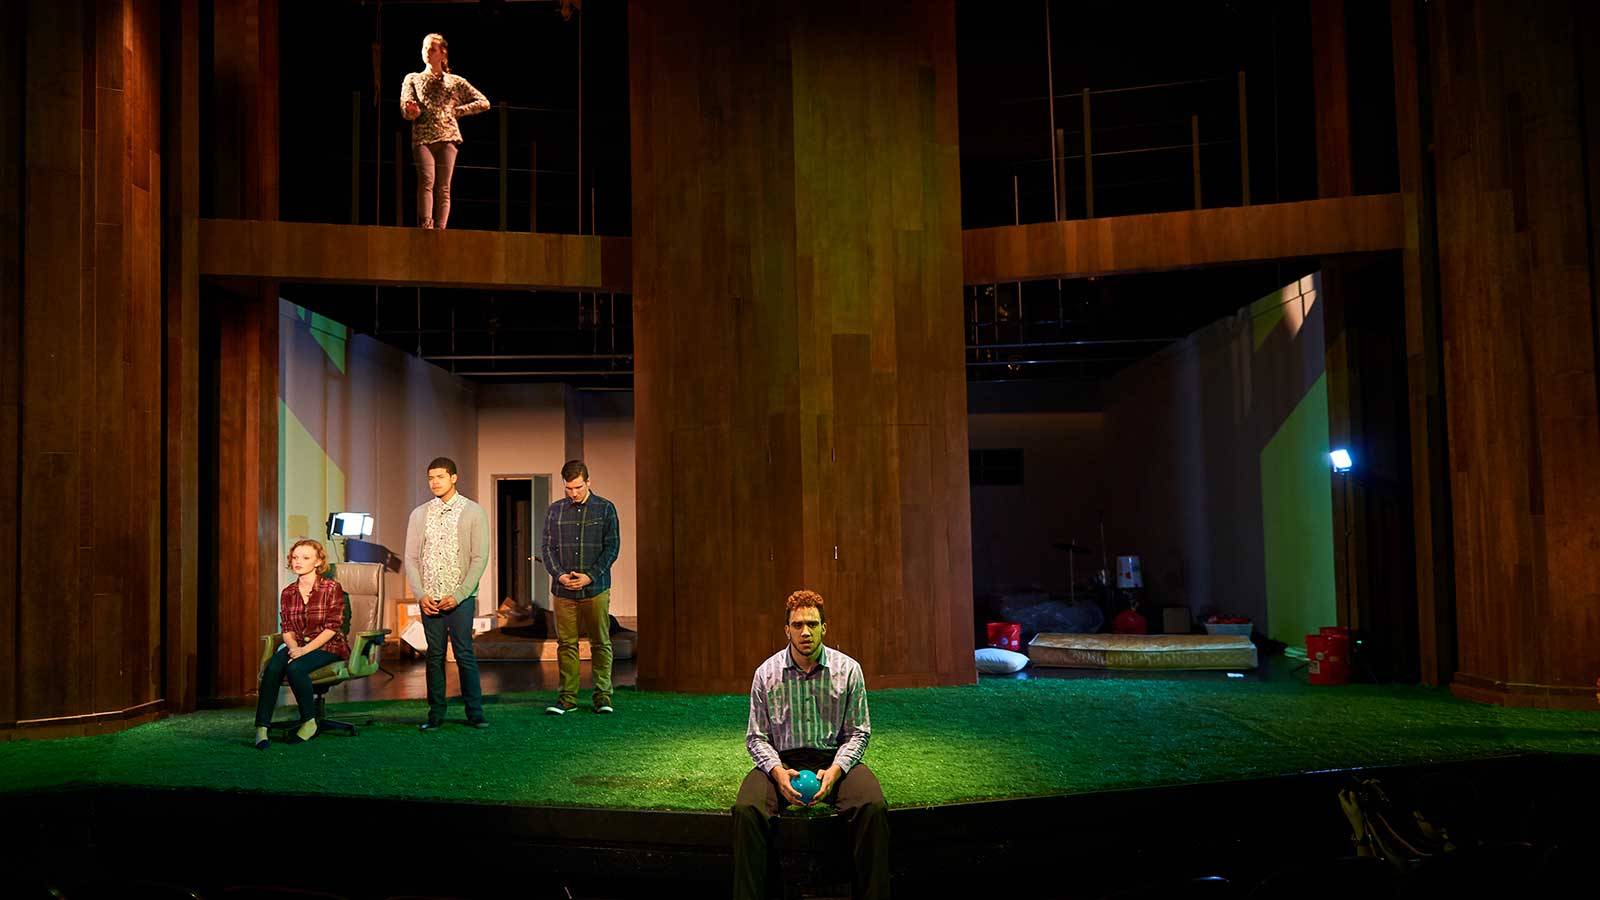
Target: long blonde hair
{"points": [[444, 47]]}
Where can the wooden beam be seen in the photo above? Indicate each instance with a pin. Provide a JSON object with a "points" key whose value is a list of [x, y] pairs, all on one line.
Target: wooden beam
{"points": [[364, 254], [1183, 240]]}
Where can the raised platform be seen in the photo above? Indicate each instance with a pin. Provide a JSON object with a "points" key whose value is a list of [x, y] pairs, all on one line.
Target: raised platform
{"points": [[117, 841]]}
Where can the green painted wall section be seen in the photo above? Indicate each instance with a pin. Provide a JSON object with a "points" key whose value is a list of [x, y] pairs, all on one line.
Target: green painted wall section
{"points": [[1297, 523]]}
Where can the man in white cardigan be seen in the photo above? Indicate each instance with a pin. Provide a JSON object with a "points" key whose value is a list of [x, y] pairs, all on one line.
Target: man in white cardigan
{"points": [[447, 548]]}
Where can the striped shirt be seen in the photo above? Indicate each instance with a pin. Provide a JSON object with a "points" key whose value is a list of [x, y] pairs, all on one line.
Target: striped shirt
{"points": [[825, 709]]}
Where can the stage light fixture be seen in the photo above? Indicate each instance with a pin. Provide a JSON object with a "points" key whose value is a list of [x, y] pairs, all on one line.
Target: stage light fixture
{"points": [[349, 524], [1341, 459]]}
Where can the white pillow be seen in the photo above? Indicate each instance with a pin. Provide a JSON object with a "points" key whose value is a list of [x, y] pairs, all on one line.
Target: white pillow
{"points": [[994, 661]]}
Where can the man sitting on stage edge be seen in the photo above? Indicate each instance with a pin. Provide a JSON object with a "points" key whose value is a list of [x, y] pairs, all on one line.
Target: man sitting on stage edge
{"points": [[808, 710]]}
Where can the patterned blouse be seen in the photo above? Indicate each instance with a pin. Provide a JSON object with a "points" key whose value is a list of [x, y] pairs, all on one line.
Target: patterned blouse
{"points": [[443, 100], [324, 611]]}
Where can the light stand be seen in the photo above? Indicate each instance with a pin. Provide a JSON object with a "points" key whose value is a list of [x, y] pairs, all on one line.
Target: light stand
{"points": [[1343, 464]]}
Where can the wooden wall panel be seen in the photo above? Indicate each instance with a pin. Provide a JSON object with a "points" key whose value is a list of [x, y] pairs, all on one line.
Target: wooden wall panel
{"points": [[1330, 81], [12, 93], [1182, 240], [244, 116], [1430, 482], [89, 331], [247, 572], [797, 270], [244, 185], [1518, 325], [181, 286]]}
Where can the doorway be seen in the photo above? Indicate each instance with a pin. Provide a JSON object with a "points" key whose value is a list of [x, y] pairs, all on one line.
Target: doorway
{"points": [[520, 502]]}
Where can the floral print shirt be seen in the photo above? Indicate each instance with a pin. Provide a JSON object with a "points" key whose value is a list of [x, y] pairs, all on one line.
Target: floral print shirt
{"points": [[441, 548], [443, 98]]}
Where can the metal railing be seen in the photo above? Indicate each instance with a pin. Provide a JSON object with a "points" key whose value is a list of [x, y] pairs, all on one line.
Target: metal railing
{"points": [[517, 169]]}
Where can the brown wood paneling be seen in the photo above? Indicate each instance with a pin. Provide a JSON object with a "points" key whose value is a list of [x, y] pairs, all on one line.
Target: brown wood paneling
{"points": [[244, 165], [1330, 79], [247, 539], [1182, 240], [12, 41], [181, 417], [1430, 486], [244, 185], [364, 254], [1518, 326], [90, 325], [50, 502], [795, 263]]}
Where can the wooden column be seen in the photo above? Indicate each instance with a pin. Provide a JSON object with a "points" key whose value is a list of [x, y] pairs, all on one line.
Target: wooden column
{"points": [[245, 437], [1430, 477], [13, 38], [1330, 79], [84, 616], [801, 411], [1519, 333], [180, 250], [246, 569], [1364, 320]]}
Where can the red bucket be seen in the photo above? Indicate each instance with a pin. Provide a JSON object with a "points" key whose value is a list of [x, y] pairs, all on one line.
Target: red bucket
{"points": [[1006, 636], [1329, 657]]}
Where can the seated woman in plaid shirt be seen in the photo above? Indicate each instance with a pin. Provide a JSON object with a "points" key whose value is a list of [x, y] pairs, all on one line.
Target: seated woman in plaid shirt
{"points": [[311, 613]]}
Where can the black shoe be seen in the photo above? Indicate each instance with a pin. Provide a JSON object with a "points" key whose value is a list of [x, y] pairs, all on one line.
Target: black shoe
{"points": [[431, 725], [477, 723]]}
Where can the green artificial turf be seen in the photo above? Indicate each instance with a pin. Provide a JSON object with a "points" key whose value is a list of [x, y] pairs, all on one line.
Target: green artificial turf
{"points": [[1000, 738]]}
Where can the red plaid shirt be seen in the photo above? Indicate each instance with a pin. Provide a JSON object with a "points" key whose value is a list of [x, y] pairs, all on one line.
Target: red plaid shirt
{"points": [[323, 612]]}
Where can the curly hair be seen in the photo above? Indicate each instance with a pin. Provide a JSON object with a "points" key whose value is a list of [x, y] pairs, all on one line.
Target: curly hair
{"points": [[322, 555], [804, 600]]}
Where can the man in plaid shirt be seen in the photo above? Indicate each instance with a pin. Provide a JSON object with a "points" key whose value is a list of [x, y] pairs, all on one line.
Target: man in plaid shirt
{"points": [[581, 543], [808, 710]]}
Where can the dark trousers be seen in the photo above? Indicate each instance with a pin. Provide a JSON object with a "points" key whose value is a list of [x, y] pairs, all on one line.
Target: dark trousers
{"points": [[298, 672], [857, 796], [457, 624]]}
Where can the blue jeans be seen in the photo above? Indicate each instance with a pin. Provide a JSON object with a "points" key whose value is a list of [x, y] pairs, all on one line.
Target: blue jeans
{"points": [[457, 625], [298, 672]]}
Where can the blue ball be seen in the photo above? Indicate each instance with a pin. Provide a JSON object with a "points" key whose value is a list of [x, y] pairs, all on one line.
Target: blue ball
{"points": [[806, 785]]}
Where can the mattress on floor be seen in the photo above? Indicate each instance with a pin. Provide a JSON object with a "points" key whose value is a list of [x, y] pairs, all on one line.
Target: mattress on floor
{"points": [[1142, 651]]}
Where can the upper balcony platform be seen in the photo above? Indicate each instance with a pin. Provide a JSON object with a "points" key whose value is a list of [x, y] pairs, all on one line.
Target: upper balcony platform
{"points": [[380, 255], [383, 255]]}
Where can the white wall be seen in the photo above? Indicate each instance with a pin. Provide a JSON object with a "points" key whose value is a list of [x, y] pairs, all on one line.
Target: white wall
{"points": [[359, 422], [522, 430], [608, 450]]}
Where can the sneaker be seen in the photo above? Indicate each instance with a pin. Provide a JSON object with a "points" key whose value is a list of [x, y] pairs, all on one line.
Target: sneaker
{"points": [[560, 707], [603, 705], [431, 725], [477, 723]]}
